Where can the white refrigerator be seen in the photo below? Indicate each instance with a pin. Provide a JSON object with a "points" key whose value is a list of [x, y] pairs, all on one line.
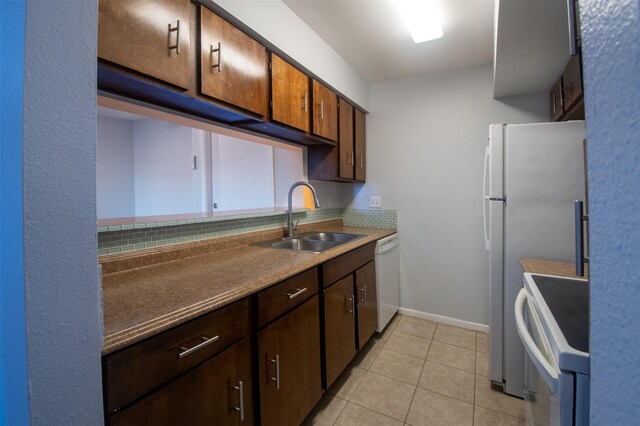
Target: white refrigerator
{"points": [[533, 175]]}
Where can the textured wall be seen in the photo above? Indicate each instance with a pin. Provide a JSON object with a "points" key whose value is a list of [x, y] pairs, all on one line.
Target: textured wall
{"points": [[425, 148], [64, 315], [14, 408], [611, 56]]}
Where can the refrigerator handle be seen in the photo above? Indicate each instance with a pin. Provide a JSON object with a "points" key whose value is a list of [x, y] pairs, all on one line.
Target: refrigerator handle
{"points": [[485, 197], [579, 219]]}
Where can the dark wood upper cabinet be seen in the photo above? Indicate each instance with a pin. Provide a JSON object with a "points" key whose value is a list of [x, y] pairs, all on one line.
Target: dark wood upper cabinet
{"points": [[360, 146], [217, 392], [289, 366], [340, 333], [233, 66], [566, 98], [346, 152], [367, 302], [325, 112], [555, 101], [572, 83], [148, 36], [290, 101], [347, 160]]}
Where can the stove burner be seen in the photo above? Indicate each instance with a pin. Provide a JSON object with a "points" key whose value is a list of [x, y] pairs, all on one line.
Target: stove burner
{"points": [[568, 301]]}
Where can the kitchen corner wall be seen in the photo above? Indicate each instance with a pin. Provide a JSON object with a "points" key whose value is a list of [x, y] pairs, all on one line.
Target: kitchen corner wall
{"points": [[425, 149]]}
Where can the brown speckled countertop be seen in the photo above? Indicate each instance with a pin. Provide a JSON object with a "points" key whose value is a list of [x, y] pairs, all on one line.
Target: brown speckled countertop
{"points": [[148, 297], [551, 267]]}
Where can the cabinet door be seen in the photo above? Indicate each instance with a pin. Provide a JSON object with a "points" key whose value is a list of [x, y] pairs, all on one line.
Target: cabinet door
{"points": [[340, 332], [360, 145], [149, 36], [367, 302], [571, 83], [217, 392], [289, 364], [345, 141], [233, 65], [289, 94], [555, 101], [325, 112]]}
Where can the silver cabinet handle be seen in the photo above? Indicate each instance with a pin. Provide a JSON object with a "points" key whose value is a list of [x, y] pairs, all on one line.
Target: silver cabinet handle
{"points": [[353, 158], [580, 218], [554, 103], [352, 299], [276, 379], [177, 30], [205, 341], [361, 162], [219, 64], [240, 408], [304, 102], [293, 293], [364, 290], [321, 110]]}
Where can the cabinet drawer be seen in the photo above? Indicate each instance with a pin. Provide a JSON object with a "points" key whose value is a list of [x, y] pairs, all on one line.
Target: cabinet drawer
{"points": [[132, 372], [343, 265], [217, 392], [281, 297]]}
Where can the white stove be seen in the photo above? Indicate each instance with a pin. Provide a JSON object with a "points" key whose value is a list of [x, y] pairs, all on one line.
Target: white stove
{"points": [[552, 317]]}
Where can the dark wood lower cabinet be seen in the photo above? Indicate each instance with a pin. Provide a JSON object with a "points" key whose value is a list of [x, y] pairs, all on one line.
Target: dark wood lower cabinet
{"points": [[340, 333], [289, 365], [217, 392], [367, 302]]}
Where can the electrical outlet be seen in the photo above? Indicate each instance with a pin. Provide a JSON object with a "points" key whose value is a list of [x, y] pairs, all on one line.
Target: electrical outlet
{"points": [[375, 201]]}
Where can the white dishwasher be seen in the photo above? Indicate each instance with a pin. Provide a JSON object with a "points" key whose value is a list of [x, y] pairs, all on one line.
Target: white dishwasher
{"points": [[387, 278]]}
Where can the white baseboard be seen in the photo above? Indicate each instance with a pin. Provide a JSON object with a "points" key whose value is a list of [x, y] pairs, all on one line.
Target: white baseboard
{"points": [[445, 320]]}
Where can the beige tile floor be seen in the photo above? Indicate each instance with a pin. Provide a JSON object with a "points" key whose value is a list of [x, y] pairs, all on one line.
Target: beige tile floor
{"points": [[418, 372]]}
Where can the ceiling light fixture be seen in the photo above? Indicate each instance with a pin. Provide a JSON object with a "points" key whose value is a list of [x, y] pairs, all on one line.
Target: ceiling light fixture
{"points": [[422, 18]]}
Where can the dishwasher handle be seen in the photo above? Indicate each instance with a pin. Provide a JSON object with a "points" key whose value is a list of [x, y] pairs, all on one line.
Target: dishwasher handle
{"points": [[387, 244]]}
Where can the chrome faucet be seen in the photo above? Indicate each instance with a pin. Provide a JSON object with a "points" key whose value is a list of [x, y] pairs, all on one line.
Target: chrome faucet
{"points": [[289, 207]]}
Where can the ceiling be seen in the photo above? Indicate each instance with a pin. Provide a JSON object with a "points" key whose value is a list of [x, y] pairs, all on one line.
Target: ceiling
{"points": [[370, 35]]}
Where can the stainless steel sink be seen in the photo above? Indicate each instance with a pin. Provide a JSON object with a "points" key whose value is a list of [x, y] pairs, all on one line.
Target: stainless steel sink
{"points": [[302, 245], [334, 237], [313, 242]]}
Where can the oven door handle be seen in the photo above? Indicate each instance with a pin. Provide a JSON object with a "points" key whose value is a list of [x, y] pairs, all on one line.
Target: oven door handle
{"points": [[546, 370]]}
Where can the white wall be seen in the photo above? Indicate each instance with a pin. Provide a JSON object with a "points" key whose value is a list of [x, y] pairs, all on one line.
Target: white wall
{"points": [[425, 148], [242, 174], [273, 20], [164, 176], [114, 168], [335, 194], [288, 169]]}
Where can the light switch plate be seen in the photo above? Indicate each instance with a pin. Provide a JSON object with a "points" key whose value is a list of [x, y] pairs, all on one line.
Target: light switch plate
{"points": [[375, 201]]}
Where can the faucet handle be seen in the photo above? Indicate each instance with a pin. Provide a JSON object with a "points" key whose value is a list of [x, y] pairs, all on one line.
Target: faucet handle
{"points": [[295, 225]]}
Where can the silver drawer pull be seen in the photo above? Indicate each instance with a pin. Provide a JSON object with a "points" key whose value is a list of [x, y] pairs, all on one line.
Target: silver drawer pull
{"points": [[177, 30], [364, 290], [352, 299], [219, 51], [276, 379], [293, 293], [240, 408], [205, 341]]}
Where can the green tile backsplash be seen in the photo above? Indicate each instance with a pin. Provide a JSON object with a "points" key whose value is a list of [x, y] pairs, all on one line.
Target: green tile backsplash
{"points": [[123, 238]]}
